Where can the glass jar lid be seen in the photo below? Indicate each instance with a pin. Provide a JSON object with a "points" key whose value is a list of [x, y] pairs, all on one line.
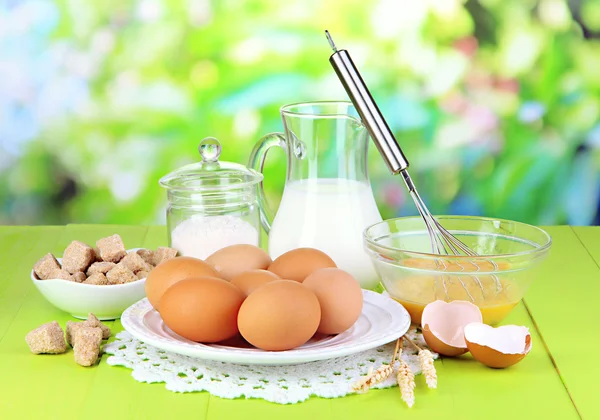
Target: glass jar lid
{"points": [[210, 174]]}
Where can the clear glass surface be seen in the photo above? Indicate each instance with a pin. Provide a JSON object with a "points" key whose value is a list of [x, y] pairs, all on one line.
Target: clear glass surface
{"points": [[509, 259], [209, 189], [327, 200]]}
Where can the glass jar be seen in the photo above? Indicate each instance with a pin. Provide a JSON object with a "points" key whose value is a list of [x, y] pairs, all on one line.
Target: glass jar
{"points": [[211, 204]]}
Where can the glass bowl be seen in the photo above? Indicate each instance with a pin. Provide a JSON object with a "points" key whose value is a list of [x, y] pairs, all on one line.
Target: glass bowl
{"points": [[509, 259]]}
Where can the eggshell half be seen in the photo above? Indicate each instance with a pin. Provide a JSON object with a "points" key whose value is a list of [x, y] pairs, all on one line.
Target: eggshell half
{"points": [[443, 325], [499, 347], [234, 260]]}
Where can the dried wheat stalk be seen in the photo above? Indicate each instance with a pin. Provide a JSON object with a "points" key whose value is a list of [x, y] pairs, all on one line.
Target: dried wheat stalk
{"points": [[427, 367], [380, 375], [406, 383], [372, 378], [426, 361]]}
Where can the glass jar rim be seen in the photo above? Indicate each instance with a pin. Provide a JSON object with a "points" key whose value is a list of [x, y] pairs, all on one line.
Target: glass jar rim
{"points": [[540, 248]]}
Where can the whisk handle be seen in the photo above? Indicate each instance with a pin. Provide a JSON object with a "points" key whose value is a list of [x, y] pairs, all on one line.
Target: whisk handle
{"points": [[369, 112]]}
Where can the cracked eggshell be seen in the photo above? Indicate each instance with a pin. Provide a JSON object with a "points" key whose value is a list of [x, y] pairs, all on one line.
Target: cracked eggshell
{"points": [[443, 323], [499, 347]]}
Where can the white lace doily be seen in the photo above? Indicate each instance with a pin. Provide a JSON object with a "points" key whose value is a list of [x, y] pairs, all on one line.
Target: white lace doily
{"points": [[279, 384]]}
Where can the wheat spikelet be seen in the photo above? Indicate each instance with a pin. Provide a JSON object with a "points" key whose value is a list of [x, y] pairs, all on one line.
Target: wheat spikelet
{"points": [[406, 383], [372, 378], [427, 367]]}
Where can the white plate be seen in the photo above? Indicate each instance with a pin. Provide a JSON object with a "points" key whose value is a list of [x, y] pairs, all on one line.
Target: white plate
{"points": [[382, 320]]}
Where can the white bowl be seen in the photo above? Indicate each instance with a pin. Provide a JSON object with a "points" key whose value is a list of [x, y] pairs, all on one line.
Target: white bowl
{"points": [[106, 302]]}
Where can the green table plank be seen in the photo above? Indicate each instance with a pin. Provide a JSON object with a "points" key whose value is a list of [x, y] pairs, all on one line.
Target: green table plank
{"points": [[63, 386], [564, 304], [590, 238], [20, 249], [467, 389], [454, 397]]}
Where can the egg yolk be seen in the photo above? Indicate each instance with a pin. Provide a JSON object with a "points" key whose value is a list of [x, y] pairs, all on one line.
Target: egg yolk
{"points": [[496, 297]]}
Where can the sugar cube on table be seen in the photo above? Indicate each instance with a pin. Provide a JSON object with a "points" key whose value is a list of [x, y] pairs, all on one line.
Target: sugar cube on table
{"points": [[111, 248], [78, 257], [48, 338], [86, 345], [120, 274], [70, 329], [45, 266], [91, 322]]}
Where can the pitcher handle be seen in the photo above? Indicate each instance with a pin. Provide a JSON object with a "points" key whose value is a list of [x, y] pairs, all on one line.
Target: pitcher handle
{"points": [[257, 162]]}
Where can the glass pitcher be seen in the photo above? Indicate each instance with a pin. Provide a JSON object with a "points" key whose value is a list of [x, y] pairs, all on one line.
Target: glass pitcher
{"points": [[327, 200]]}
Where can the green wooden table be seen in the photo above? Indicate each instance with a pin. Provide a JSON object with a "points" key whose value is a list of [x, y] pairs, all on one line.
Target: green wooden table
{"points": [[557, 380]]}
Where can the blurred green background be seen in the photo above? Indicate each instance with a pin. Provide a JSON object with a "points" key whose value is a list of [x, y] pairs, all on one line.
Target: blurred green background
{"points": [[495, 102]]}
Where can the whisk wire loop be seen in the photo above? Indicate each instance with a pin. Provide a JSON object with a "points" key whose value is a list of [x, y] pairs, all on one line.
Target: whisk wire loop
{"points": [[444, 243]]}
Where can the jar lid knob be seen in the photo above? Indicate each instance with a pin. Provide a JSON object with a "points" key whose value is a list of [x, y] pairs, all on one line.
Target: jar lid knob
{"points": [[209, 149]]}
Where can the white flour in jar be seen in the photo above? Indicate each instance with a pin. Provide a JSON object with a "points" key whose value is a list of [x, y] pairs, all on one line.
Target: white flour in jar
{"points": [[200, 236]]}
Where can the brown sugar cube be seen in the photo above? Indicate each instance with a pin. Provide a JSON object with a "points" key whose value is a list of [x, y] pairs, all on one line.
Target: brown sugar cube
{"points": [[48, 338], [111, 248], [90, 322], [147, 255], [60, 274], [98, 279], [70, 329], [134, 262], [163, 254], [94, 322], [78, 277], [45, 266], [100, 267], [142, 274], [77, 257], [97, 254], [86, 345], [120, 274]]}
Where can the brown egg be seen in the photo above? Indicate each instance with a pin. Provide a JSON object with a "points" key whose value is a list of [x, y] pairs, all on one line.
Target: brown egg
{"points": [[170, 272], [340, 297], [300, 263], [280, 315], [443, 324], [234, 260], [202, 309], [499, 347], [251, 280]]}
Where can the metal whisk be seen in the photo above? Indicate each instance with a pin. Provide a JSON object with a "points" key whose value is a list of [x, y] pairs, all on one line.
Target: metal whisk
{"points": [[442, 241]]}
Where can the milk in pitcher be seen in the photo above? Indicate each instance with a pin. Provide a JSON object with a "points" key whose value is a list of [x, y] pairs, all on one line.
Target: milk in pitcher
{"points": [[329, 214]]}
